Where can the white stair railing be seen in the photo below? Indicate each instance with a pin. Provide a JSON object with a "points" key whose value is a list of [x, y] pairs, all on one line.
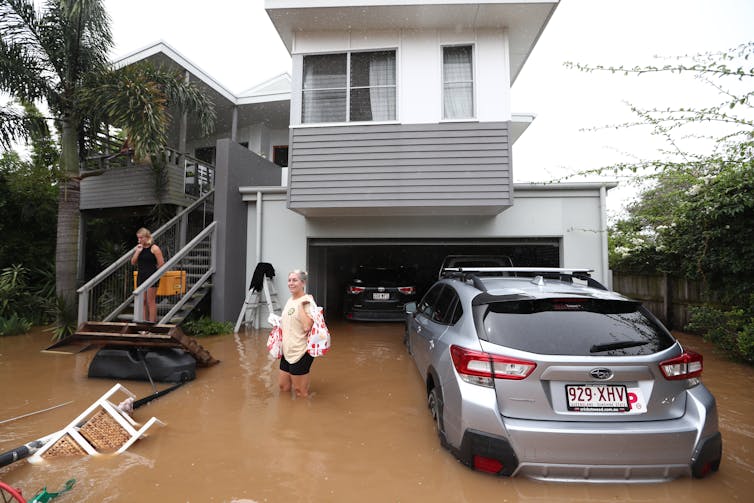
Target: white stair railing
{"points": [[107, 295], [195, 267]]}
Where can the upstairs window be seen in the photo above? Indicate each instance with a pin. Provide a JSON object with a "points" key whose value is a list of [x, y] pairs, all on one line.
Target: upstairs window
{"points": [[458, 82], [350, 87]]}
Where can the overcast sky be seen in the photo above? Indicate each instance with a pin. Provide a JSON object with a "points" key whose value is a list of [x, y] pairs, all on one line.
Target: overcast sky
{"points": [[235, 42]]}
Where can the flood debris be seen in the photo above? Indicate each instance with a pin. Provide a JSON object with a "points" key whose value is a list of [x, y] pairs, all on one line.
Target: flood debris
{"points": [[35, 413], [126, 407], [43, 496], [103, 428], [147, 335]]}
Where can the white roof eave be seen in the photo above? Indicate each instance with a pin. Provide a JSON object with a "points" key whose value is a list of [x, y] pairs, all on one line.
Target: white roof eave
{"points": [[255, 94]]}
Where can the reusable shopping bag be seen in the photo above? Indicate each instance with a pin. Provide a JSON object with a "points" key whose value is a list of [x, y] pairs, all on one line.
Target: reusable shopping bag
{"points": [[275, 339], [319, 335]]}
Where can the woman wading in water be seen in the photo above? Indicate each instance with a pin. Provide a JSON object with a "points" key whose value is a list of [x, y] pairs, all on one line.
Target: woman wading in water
{"points": [[296, 323]]}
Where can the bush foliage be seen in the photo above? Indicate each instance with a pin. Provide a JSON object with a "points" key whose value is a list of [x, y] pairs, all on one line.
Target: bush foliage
{"points": [[694, 217], [732, 330], [205, 326]]}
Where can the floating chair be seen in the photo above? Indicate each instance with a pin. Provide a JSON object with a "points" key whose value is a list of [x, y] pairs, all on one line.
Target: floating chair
{"points": [[103, 428]]}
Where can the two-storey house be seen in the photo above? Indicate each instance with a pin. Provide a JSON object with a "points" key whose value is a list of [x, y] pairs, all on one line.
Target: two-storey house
{"points": [[398, 128], [401, 133]]}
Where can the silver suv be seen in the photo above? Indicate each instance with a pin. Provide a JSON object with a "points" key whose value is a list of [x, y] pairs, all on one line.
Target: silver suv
{"points": [[544, 373]]}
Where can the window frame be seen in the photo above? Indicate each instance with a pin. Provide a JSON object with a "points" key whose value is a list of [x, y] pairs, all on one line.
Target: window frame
{"points": [[473, 115], [349, 87], [277, 153]]}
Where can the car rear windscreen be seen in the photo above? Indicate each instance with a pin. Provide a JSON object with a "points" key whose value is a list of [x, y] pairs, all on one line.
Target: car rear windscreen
{"points": [[381, 277], [576, 327]]}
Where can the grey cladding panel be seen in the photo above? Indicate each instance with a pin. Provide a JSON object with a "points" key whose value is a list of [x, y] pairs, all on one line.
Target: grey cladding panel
{"points": [[414, 165], [131, 186]]}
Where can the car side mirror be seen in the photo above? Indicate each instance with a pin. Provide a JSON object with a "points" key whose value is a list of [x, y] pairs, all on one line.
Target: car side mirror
{"points": [[410, 307]]}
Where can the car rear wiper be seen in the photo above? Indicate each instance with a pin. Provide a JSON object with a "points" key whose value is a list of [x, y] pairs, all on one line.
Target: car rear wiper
{"points": [[598, 348]]}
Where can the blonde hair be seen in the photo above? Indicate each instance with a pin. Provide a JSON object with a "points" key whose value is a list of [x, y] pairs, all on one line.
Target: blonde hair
{"points": [[145, 232], [302, 275]]}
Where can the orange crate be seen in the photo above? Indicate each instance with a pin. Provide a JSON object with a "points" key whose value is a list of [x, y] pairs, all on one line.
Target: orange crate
{"points": [[171, 283]]}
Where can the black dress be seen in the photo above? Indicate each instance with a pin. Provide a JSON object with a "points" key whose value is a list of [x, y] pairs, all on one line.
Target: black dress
{"points": [[147, 264]]}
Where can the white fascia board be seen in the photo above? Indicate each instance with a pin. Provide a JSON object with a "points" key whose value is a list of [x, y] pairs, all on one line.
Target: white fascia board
{"points": [[295, 4], [164, 48], [558, 187], [281, 82], [519, 124], [277, 88], [263, 98]]}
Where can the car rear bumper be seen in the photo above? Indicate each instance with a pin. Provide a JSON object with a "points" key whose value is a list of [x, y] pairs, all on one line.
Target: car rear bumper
{"points": [[635, 451], [706, 460], [630, 451], [656, 451]]}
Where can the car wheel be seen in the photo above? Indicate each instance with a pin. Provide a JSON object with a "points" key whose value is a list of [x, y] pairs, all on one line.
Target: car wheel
{"points": [[434, 402]]}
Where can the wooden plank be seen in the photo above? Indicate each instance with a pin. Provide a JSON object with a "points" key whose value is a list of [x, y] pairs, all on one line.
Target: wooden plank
{"points": [[136, 335], [127, 335]]}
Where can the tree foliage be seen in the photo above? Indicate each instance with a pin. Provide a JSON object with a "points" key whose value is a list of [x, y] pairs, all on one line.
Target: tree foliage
{"points": [[29, 203], [56, 54], [694, 217]]}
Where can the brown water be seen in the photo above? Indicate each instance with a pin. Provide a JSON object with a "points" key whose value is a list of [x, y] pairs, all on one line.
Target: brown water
{"points": [[365, 434]]}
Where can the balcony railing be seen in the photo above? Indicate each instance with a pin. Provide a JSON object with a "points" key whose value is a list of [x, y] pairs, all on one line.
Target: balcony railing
{"points": [[105, 175], [199, 176]]}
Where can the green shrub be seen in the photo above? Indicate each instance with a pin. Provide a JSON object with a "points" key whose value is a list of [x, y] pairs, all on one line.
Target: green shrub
{"points": [[207, 326], [730, 330], [24, 293], [65, 316], [14, 325]]}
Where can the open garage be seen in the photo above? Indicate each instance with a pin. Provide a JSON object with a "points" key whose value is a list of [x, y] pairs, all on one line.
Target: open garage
{"points": [[332, 262], [555, 225]]}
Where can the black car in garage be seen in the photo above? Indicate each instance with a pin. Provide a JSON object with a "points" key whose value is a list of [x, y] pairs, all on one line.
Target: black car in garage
{"points": [[379, 293]]}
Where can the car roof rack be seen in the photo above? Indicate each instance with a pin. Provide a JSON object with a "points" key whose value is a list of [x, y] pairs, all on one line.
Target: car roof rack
{"points": [[562, 273], [465, 276]]}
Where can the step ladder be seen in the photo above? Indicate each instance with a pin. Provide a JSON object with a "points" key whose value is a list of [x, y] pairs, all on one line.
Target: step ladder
{"points": [[262, 293]]}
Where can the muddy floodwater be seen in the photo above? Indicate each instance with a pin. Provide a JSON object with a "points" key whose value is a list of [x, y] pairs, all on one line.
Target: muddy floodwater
{"points": [[365, 434]]}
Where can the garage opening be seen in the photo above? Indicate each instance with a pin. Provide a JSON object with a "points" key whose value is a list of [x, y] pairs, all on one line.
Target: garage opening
{"points": [[332, 262]]}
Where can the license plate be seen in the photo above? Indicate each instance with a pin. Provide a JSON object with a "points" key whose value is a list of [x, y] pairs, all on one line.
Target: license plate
{"points": [[381, 296], [597, 398]]}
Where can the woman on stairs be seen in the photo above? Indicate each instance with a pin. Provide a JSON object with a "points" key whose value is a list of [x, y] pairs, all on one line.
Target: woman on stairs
{"points": [[148, 258]]}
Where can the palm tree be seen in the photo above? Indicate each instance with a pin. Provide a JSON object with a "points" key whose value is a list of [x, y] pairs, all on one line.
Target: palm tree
{"points": [[57, 55], [15, 125]]}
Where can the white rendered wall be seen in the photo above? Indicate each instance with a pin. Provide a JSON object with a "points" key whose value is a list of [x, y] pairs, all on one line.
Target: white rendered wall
{"points": [[574, 217], [283, 241]]}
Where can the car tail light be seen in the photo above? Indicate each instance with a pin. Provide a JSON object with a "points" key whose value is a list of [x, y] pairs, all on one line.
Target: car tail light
{"points": [[686, 366], [355, 290], [407, 290], [486, 367]]}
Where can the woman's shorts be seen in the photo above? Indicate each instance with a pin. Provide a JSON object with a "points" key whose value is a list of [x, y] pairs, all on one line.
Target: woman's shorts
{"points": [[299, 368]]}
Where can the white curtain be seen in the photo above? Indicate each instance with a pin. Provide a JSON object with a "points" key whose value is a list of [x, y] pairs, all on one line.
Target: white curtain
{"points": [[458, 96], [324, 93], [382, 84]]}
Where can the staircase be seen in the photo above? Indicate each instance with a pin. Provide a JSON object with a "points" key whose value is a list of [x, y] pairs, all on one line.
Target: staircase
{"points": [[194, 265], [188, 243]]}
